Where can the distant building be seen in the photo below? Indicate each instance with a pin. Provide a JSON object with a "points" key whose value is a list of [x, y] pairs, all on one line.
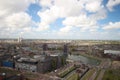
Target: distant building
{"points": [[26, 59], [112, 54], [19, 39], [45, 47], [65, 50]]}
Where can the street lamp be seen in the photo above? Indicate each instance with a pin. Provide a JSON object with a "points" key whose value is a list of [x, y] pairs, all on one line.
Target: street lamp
{"points": [[14, 58]]}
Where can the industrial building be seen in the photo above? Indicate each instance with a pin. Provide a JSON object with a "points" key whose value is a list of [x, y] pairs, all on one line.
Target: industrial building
{"points": [[113, 54], [40, 63]]}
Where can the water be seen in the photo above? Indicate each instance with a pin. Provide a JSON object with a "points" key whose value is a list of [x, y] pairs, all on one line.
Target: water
{"points": [[83, 59]]}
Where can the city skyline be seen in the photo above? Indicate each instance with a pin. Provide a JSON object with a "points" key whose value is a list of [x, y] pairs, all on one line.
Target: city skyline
{"points": [[60, 19]]}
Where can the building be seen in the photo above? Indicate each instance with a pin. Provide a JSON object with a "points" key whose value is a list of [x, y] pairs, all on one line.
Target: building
{"points": [[40, 63], [113, 54], [4, 57], [65, 50], [45, 47], [57, 60]]}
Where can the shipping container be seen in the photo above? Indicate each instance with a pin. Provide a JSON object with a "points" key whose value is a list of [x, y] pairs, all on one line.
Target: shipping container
{"points": [[8, 64]]}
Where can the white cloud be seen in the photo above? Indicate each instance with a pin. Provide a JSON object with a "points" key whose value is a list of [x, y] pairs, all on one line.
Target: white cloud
{"points": [[101, 14], [42, 27], [48, 16], [60, 10], [69, 7], [94, 6], [8, 7], [79, 21], [65, 29], [18, 20], [13, 18], [14, 26], [73, 12], [112, 3], [111, 25], [82, 22], [45, 3]]}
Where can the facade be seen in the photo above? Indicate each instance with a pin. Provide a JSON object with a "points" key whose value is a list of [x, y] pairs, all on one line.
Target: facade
{"points": [[4, 58], [8, 64], [57, 60], [40, 63], [65, 50], [44, 65], [25, 66]]}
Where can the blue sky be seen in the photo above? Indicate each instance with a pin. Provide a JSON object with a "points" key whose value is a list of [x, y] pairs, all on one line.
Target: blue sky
{"points": [[60, 19]]}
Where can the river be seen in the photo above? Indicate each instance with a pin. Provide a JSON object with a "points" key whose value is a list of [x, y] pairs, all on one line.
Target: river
{"points": [[83, 59]]}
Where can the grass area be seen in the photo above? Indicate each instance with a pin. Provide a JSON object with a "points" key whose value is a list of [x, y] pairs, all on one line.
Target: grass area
{"points": [[115, 64], [65, 72], [30, 75], [98, 73], [75, 76], [11, 72], [88, 74], [8, 71], [112, 74]]}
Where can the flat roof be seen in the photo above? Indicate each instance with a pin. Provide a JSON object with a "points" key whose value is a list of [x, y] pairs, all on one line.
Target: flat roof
{"points": [[111, 52]]}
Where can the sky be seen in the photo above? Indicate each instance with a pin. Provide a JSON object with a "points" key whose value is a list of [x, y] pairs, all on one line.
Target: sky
{"points": [[60, 19]]}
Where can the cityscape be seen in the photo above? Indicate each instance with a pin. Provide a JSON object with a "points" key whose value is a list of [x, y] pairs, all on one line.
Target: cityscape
{"points": [[60, 40], [59, 59]]}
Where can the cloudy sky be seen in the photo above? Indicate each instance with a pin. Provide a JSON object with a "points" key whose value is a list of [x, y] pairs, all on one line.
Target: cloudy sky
{"points": [[60, 19]]}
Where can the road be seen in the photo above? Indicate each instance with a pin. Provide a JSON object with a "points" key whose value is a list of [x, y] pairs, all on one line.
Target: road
{"points": [[69, 74], [101, 74], [105, 64], [93, 76]]}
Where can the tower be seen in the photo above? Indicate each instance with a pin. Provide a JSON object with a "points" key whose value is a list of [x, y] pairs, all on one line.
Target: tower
{"points": [[45, 47], [19, 39], [65, 50]]}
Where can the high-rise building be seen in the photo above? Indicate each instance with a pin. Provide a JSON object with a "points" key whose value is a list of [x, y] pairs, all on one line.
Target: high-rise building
{"points": [[19, 39], [45, 47], [65, 50]]}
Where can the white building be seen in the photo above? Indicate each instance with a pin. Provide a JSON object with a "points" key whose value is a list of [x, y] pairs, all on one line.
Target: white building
{"points": [[116, 52]]}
